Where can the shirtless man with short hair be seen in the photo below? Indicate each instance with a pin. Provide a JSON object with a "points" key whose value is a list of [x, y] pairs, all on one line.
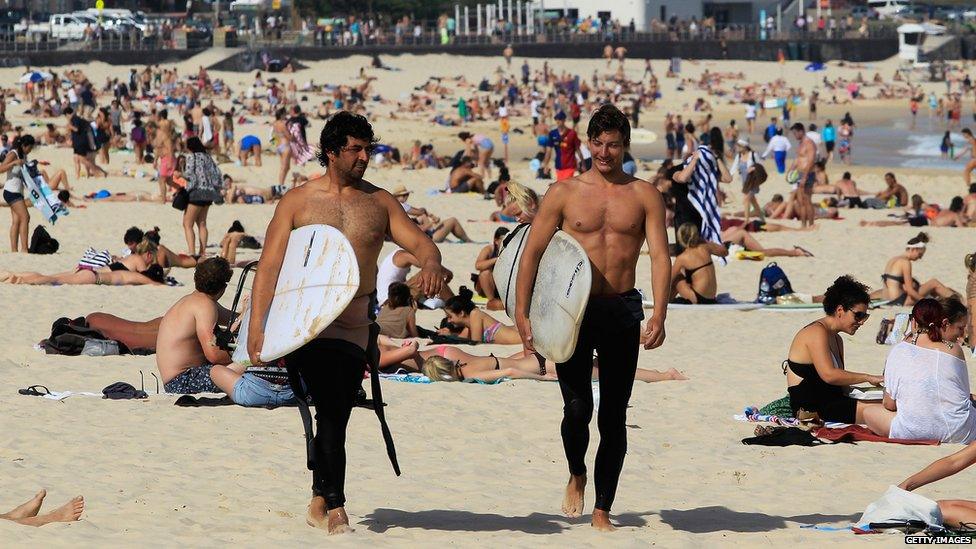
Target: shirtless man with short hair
{"points": [[806, 155], [464, 179], [186, 347], [611, 214], [331, 366], [893, 189]]}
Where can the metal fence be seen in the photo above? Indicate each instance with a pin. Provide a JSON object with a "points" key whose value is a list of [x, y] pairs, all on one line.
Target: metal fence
{"points": [[431, 37]]}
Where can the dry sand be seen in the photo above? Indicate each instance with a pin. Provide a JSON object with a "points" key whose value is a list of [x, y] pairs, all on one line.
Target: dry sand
{"points": [[482, 464]]}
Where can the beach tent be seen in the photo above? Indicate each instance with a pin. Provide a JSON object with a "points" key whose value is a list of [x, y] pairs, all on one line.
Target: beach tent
{"points": [[911, 36]]}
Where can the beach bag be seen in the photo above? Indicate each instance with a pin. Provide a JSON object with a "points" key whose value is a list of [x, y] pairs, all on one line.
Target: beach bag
{"points": [[893, 330], [42, 242], [899, 505], [773, 283], [181, 199]]}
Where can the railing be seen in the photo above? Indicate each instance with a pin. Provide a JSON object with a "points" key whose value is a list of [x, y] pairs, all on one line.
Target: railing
{"points": [[22, 42]]}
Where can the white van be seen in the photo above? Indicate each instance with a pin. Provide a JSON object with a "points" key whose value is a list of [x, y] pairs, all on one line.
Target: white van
{"points": [[68, 26], [888, 9]]}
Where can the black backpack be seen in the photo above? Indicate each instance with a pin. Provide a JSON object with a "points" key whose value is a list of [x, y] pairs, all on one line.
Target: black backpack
{"points": [[42, 243]]}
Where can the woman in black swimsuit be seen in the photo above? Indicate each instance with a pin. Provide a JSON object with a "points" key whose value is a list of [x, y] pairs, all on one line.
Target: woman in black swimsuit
{"points": [[815, 376], [899, 269], [686, 288], [484, 280], [140, 268]]}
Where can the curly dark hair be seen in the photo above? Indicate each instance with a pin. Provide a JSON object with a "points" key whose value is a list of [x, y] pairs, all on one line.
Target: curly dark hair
{"points": [[607, 119], [339, 129], [212, 275], [845, 292]]}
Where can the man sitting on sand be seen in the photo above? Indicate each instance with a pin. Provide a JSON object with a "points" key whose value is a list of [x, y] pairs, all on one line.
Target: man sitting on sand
{"points": [[464, 179], [186, 348]]}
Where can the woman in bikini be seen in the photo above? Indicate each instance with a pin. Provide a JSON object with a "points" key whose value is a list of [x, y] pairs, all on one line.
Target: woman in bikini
{"points": [[480, 147], [696, 259], [484, 280], [898, 270], [478, 325], [447, 363], [816, 377], [135, 270], [740, 236], [283, 143]]}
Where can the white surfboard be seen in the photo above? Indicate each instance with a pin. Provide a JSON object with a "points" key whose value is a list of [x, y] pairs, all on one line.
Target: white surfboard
{"points": [[319, 278], [561, 292]]}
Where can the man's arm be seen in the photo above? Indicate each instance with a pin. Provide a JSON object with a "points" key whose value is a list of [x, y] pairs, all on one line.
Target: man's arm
{"points": [[544, 225], [408, 236], [655, 232], [269, 265], [206, 319]]}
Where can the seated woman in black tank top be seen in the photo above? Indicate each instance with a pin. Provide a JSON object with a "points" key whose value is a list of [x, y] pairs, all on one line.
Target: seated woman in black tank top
{"points": [[815, 375], [693, 278]]}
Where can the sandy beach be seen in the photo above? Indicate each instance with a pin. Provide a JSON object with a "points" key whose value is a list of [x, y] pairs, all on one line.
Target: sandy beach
{"points": [[483, 465]]}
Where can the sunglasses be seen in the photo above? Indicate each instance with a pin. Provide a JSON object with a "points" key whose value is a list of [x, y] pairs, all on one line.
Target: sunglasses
{"points": [[861, 316]]}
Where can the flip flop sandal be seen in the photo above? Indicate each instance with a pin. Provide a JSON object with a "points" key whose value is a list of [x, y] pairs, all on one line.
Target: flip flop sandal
{"points": [[33, 391]]}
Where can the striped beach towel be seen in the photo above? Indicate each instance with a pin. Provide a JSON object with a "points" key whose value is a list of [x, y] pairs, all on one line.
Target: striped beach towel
{"points": [[702, 193]]}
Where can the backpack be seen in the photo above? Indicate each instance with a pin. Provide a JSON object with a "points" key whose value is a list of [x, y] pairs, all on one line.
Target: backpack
{"points": [[773, 283], [138, 134], [42, 242]]}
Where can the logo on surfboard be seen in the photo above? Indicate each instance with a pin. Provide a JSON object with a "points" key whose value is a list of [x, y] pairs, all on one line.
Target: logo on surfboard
{"points": [[572, 279]]}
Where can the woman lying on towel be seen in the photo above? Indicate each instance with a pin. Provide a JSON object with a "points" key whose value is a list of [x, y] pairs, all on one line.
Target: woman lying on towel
{"points": [[140, 268], [696, 259], [446, 363], [815, 376], [926, 364], [956, 513]]}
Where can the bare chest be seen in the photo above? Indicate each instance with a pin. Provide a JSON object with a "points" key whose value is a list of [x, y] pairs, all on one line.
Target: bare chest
{"points": [[363, 221], [617, 211]]}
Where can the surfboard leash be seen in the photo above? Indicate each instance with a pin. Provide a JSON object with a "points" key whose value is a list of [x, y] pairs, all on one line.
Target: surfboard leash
{"points": [[373, 360]]}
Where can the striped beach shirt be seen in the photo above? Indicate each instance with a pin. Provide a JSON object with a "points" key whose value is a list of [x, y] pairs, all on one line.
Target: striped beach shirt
{"points": [[702, 192], [94, 260]]}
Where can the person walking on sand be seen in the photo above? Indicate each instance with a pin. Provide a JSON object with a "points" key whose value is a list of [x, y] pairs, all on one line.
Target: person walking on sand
{"points": [[283, 142], [164, 146], [806, 177], [611, 214], [365, 214]]}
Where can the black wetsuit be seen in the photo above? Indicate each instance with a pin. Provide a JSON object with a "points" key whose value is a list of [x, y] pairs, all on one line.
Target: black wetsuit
{"points": [[611, 326], [330, 371]]}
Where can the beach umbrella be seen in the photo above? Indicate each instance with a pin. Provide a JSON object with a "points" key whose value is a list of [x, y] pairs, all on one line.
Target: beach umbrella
{"points": [[34, 76]]}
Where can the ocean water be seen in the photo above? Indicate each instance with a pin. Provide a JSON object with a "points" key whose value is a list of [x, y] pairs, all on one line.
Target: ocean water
{"points": [[898, 145]]}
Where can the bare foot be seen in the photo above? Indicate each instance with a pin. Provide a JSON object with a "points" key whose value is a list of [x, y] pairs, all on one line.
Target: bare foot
{"points": [[28, 509], [334, 521], [676, 375], [339, 522], [573, 500], [69, 512], [317, 514], [601, 521]]}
